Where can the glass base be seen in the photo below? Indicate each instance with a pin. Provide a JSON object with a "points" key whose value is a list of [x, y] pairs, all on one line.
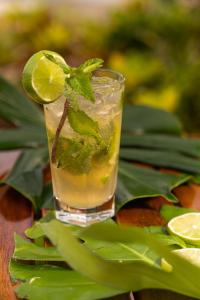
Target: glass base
{"points": [[84, 217]]}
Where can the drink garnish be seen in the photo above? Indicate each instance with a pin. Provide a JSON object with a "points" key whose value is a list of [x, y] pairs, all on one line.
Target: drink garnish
{"points": [[46, 77]]}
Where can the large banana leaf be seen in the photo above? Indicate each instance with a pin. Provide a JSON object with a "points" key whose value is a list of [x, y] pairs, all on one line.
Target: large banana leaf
{"points": [[24, 137], [24, 115], [159, 158], [136, 182], [142, 271], [168, 212], [139, 119], [27, 175], [189, 147], [29, 132], [16, 108], [25, 250], [133, 182], [53, 283], [123, 252]]}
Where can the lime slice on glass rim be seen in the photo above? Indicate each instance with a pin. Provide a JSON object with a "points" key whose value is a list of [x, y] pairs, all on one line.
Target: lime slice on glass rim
{"points": [[42, 79], [187, 227]]}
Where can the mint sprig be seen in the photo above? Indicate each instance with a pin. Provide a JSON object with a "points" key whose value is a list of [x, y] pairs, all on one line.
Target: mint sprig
{"points": [[81, 84], [91, 65], [77, 83], [79, 79]]}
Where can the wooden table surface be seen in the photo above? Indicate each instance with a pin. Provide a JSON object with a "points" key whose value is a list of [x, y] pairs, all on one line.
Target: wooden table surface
{"points": [[16, 215]]}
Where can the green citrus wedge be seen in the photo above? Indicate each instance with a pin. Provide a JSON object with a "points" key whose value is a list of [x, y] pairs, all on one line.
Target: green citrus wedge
{"points": [[42, 79], [187, 227], [191, 254]]}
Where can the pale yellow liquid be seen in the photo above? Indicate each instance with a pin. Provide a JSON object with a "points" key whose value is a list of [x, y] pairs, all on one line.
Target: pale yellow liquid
{"points": [[97, 186]]}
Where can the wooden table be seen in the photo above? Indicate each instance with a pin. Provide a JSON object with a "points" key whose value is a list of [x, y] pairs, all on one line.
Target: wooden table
{"points": [[16, 215]]}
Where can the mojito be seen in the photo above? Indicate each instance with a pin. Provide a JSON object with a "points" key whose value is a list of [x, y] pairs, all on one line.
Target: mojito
{"points": [[83, 108], [84, 173]]}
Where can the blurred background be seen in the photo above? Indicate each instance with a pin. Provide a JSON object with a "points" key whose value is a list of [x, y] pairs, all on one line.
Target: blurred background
{"points": [[154, 43]]}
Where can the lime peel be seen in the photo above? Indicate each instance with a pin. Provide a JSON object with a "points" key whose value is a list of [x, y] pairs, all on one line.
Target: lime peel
{"points": [[43, 80], [190, 254], [187, 227]]}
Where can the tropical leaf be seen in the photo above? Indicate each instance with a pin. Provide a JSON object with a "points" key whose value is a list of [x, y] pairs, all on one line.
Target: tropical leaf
{"points": [[16, 108], [136, 261], [53, 283], [24, 115], [168, 212], [123, 252], [47, 200], [166, 159], [133, 183], [137, 275], [27, 176], [36, 231], [130, 252], [139, 119], [25, 250], [136, 182], [28, 137], [189, 147]]}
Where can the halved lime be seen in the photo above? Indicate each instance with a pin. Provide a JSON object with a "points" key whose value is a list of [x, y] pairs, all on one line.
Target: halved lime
{"points": [[187, 227], [42, 79], [191, 254]]}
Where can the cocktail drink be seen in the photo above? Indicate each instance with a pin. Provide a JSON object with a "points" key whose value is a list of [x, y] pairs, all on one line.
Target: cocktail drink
{"points": [[84, 174], [83, 109]]}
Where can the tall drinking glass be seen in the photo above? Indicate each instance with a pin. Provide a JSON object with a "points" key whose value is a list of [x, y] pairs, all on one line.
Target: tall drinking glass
{"points": [[84, 185]]}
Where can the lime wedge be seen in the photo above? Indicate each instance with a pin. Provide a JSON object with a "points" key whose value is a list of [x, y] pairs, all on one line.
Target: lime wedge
{"points": [[43, 80], [191, 254], [187, 227]]}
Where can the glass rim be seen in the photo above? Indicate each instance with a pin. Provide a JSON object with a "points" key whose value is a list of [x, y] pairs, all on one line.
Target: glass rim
{"points": [[117, 76]]}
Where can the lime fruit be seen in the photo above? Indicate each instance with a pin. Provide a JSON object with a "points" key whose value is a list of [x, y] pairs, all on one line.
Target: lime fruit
{"points": [[187, 227], [191, 254], [42, 79]]}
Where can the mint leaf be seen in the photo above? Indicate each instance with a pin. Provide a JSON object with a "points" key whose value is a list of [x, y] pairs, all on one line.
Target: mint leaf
{"points": [[82, 123], [74, 155], [91, 65], [81, 84]]}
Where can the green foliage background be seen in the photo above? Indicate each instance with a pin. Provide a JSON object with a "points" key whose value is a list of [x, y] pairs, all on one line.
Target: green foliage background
{"points": [[160, 45], [155, 43]]}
